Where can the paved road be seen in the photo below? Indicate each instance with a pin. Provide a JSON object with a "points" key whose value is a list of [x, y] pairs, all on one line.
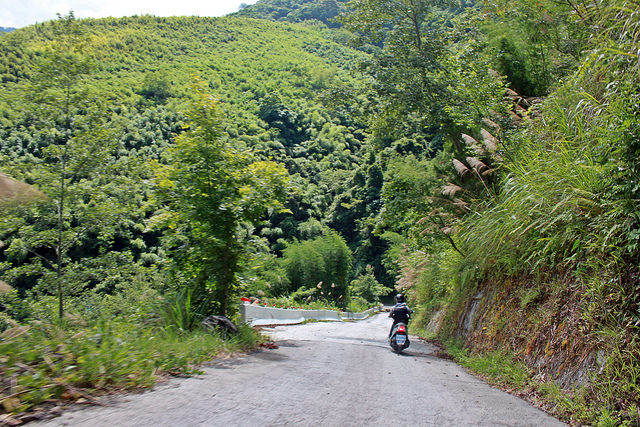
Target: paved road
{"points": [[323, 374]]}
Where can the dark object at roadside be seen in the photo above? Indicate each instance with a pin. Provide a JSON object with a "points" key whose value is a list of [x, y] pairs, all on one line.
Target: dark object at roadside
{"points": [[219, 324]]}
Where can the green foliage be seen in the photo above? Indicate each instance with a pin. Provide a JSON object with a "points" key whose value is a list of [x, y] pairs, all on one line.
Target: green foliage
{"points": [[304, 299], [323, 263], [404, 68], [556, 208], [366, 287], [211, 189], [429, 73], [370, 157], [178, 311], [554, 205], [264, 276], [498, 368], [407, 181], [78, 172], [50, 362], [615, 388], [296, 10], [142, 62], [140, 65], [438, 277], [14, 307], [535, 44], [590, 404], [561, 199], [358, 304], [156, 85], [513, 64]]}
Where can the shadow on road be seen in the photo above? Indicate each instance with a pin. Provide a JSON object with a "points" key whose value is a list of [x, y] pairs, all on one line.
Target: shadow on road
{"points": [[418, 354], [265, 355], [288, 343]]}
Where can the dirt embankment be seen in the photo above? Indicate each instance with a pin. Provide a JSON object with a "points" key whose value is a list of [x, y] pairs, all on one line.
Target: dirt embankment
{"points": [[545, 328], [580, 341]]}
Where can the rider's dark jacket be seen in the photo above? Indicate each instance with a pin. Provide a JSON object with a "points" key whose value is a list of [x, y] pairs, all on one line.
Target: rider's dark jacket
{"points": [[400, 313]]}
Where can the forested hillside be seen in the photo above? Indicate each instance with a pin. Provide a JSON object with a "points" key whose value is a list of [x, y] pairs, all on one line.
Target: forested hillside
{"points": [[276, 90], [324, 11], [481, 158]]}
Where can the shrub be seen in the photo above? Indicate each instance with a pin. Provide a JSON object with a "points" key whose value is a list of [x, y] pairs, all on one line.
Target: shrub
{"points": [[324, 262], [367, 288]]}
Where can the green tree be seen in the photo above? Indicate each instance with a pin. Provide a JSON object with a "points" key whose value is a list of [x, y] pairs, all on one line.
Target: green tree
{"points": [[212, 189], [366, 286], [156, 85], [535, 43], [76, 171], [408, 69], [324, 263], [429, 70]]}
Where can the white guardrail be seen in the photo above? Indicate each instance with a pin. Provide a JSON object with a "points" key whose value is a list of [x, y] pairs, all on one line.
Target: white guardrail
{"points": [[257, 315]]}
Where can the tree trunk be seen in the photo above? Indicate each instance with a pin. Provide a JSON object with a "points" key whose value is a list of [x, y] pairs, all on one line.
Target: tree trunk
{"points": [[59, 243], [63, 177]]}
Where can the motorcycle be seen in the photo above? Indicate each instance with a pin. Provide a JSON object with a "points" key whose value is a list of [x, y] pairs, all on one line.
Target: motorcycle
{"points": [[399, 339]]}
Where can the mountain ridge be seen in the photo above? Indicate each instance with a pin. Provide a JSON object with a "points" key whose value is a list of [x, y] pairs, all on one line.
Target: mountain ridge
{"points": [[296, 10]]}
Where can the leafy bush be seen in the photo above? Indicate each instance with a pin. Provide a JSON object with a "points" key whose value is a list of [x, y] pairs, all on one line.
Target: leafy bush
{"points": [[366, 288], [358, 304], [323, 263], [156, 85], [266, 277], [178, 311], [15, 307]]}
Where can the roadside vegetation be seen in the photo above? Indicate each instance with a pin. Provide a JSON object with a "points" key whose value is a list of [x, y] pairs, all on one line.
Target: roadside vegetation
{"points": [[46, 364], [544, 249], [581, 405], [480, 157], [160, 177]]}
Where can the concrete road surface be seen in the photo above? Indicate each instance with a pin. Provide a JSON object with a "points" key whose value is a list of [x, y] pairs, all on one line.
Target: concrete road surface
{"points": [[323, 374]]}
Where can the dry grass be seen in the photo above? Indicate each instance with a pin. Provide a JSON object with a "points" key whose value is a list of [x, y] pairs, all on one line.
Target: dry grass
{"points": [[5, 287], [10, 189]]}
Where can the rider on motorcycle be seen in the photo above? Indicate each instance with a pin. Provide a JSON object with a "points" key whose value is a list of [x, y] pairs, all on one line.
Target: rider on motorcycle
{"points": [[399, 312]]}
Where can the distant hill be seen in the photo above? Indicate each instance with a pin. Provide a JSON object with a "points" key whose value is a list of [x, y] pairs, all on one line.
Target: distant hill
{"points": [[242, 58], [288, 91], [296, 10], [6, 29]]}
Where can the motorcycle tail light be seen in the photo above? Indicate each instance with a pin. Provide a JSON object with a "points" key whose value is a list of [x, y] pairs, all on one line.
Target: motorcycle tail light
{"points": [[402, 329]]}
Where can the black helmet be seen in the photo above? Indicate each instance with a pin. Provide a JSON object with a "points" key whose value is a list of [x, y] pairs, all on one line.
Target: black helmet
{"points": [[399, 298]]}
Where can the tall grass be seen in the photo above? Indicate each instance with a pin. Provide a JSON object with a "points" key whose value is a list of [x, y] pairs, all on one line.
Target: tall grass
{"points": [[179, 312], [541, 215], [44, 362], [570, 193]]}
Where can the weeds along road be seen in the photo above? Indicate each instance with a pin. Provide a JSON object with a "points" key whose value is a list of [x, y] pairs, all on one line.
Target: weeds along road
{"points": [[323, 374]]}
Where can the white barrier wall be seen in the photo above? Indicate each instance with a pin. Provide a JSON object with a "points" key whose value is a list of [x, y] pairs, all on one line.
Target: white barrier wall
{"points": [[258, 315]]}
